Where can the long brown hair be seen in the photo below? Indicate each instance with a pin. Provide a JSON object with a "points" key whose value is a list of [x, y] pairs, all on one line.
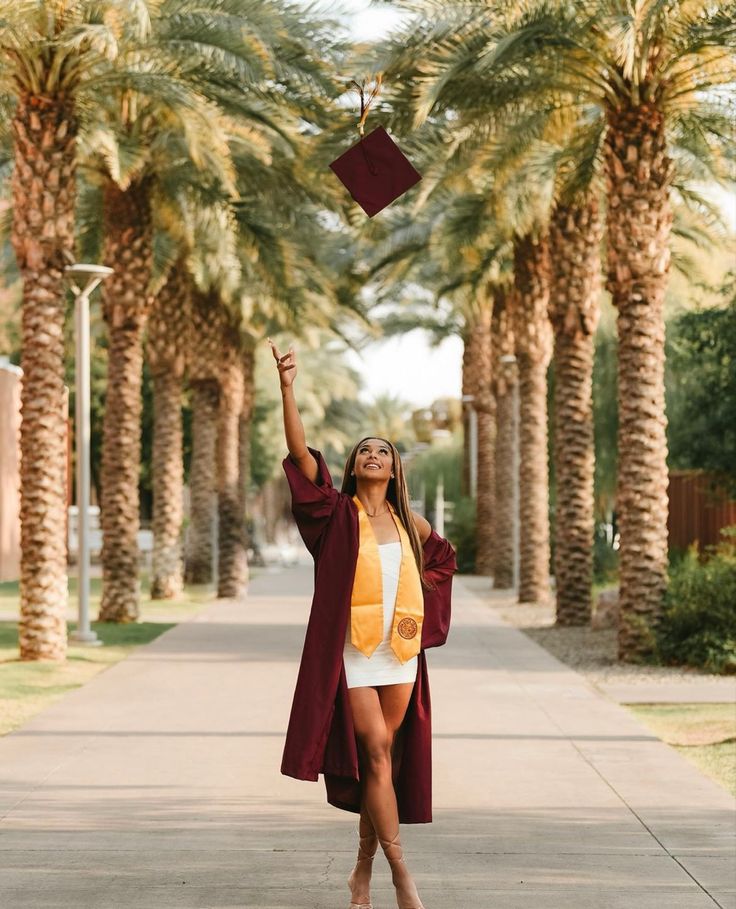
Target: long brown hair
{"points": [[397, 494]]}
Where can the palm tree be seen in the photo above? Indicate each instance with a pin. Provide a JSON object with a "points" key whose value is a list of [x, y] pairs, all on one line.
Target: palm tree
{"points": [[213, 365], [507, 430], [655, 78], [453, 245], [166, 353], [575, 236], [232, 572], [141, 141], [52, 64], [653, 75], [126, 302], [248, 365], [533, 339], [266, 267], [203, 352], [480, 366], [561, 158], [519, 213]]}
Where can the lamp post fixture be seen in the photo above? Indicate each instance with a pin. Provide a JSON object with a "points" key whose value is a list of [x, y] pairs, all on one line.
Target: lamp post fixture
{"points": [[83, 280]]}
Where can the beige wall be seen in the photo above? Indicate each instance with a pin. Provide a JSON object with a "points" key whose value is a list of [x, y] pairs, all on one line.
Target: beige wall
{"points": [[9, 472]]}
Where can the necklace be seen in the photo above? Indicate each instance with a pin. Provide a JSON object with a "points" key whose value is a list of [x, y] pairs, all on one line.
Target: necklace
{"points": [[377, 513]]}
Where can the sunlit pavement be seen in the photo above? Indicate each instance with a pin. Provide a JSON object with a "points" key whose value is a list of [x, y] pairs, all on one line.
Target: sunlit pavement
{"points": [[158, 783]]}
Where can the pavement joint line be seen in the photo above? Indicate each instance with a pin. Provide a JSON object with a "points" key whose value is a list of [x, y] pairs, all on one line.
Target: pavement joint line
{"points": [[41, 783], [86, 735], [326, 862], [621, 797], [573, 741], [335, 852]]}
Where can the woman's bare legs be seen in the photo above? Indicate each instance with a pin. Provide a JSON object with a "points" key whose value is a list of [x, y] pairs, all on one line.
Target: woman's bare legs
{"points": [[377, 715]]}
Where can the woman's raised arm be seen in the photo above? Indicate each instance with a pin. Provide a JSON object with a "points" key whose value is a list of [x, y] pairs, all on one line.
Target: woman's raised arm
{"points": [[293, 428]]}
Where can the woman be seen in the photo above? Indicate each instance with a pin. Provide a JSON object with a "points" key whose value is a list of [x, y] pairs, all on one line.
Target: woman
{"points": [[361, 710]]}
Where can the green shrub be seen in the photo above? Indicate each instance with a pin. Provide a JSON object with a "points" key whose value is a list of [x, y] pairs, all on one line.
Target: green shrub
{"points": [[461, 533], [698, 626]]}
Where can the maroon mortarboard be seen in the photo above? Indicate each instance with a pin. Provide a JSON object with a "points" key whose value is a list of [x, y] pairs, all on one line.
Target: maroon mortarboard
{"points": [[375, 170]]}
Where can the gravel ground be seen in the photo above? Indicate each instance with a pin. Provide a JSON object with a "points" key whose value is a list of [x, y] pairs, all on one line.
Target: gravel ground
{"points": [[593, 653]]}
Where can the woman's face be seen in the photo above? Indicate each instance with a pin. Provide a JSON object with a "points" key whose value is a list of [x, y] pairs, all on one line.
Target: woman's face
{"points": [[373, 461]]}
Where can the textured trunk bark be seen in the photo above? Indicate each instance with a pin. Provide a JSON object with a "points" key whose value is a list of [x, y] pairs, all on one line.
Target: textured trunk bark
{"points": [[246, 419], [126, 303], [507, 430], [44, 188], [533, 337], [575, 237], [166, 350], [639, 219], [205, 396], [168, 480], [204, 352], [486, 499], [485, 407], [467, 383], [232, 574]]}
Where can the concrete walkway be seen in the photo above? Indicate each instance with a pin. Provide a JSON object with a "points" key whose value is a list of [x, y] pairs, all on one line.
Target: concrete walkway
{"points": [[158, 784]]}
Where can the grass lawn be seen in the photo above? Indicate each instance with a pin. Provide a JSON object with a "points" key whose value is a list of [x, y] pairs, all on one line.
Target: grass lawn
{"points": [[27, 687], [704, 733]]}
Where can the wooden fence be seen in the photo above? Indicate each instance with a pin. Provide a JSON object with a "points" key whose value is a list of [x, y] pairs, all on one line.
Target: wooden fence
{"points": [[698, 509]]}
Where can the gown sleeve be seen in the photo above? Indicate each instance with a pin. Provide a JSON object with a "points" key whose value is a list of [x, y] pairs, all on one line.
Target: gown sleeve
{"points": [[439, 566], [312, 504]]}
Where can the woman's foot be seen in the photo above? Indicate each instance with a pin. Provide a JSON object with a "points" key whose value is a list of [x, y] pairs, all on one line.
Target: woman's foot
{"points": [[406, 891], [359, 880]]}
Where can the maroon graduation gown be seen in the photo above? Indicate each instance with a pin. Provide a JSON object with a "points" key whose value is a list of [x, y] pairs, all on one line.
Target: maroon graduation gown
{"points": [[320, 737]]}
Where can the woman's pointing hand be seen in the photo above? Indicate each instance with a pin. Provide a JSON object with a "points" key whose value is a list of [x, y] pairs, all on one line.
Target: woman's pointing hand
{"points": [[286, 364]]}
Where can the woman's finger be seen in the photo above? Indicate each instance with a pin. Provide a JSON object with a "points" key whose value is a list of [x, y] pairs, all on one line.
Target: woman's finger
{"points": [[274, 350]]}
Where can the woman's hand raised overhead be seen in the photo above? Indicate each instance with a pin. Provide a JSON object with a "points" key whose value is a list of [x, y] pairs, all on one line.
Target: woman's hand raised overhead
{"points": [[293, 428], [286, 364]]}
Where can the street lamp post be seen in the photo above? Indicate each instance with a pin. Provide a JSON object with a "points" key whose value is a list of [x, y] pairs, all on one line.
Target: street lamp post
{"points": [[83, 280]]}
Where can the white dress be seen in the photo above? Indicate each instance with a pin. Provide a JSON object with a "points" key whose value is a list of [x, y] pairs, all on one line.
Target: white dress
{"points": [[382, 667]]}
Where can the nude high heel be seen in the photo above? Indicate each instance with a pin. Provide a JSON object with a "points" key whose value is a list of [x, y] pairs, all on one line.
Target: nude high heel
{"points": [[365, 857], [392, 844]]}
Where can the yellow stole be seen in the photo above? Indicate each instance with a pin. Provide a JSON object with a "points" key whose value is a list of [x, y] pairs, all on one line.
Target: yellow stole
{"points": [[366, 601]]}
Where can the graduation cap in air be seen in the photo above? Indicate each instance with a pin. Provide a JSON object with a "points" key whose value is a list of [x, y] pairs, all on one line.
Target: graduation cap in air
{"points": [[375, 170]]}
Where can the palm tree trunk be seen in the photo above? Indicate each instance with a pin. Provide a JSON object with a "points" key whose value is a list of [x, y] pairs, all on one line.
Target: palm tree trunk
{"points": [[204, 353], [533, 337], [205, 397], [507, 429], [166, 339], [575, 236], [639, 219], [485, 407], [168, 480], [232, 573], [244, 428], [44, 190], [467, 386], [126, 302]]}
